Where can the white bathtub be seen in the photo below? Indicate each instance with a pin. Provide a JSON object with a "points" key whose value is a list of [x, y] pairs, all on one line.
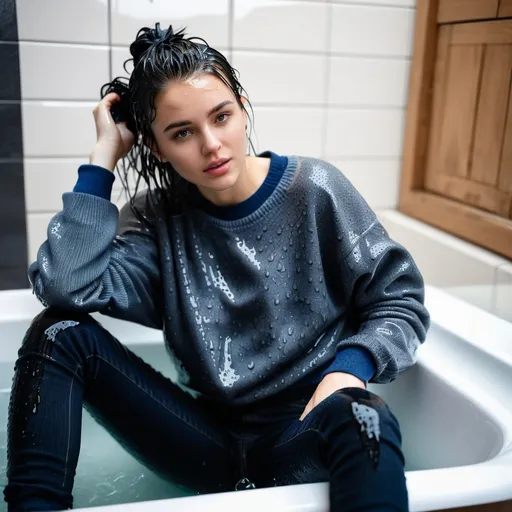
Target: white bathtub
{"points": [[454, 406]]}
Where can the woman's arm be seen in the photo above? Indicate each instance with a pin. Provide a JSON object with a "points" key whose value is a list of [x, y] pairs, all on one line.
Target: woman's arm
{"points": [[380, 280], [92, 262]]}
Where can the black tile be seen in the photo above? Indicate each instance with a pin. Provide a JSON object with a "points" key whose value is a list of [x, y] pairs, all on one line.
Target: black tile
{"points": [[11, 143], [12, 192], [13, 231], [8, 22], [9, 64], [14, 249], [14, 278]]}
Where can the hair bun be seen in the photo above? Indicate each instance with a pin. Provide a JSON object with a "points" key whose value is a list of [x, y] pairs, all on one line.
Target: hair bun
{"points": [[150, 37]]}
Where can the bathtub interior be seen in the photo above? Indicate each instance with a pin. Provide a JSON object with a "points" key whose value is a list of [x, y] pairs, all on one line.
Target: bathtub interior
{"points": [[440, 427]]}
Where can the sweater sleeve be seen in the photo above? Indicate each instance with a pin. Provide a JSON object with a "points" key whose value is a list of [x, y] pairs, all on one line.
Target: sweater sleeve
{"points": [[96, 258], [381, 283]]}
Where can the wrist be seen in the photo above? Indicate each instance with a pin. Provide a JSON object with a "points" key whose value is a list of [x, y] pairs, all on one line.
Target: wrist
{"points": [[347, 379], [102, 157]]}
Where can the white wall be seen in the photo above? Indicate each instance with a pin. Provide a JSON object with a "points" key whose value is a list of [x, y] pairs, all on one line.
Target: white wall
{"points": [[326, 79]]}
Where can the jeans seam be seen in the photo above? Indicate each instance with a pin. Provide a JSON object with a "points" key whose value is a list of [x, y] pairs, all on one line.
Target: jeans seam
{"points": [[156, 400], [69, 428], [299, 434]]}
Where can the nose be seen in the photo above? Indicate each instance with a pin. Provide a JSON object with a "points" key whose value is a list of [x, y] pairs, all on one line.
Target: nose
{"points": [[211, 143]]}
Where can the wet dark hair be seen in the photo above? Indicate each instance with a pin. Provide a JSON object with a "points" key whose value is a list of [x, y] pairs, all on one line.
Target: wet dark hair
{"points": [[160, 56]]}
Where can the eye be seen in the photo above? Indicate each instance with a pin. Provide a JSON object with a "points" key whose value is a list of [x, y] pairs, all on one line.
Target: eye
{"points": [[222, 117], [180, 135]]}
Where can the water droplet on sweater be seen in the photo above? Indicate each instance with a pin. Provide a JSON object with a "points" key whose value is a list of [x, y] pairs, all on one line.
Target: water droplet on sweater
{"points": [[251, 365], [310, 279], [279, 231], [267, 274], [265, 229], [266, 287], [271, 257], [290, 331], [317, 289]]}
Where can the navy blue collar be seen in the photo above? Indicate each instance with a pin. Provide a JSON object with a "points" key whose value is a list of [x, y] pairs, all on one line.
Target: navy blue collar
{"points": [[278, 164]]}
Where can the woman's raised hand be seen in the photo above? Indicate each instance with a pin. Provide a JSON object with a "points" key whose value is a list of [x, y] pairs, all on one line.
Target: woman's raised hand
{"points": [[113, 140]]}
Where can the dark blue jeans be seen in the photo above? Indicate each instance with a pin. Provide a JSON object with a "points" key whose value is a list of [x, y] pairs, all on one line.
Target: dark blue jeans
{"points": [[67, 360]]}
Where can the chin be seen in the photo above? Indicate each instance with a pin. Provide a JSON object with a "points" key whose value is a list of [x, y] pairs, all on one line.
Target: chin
{"points": [[223, 182]]}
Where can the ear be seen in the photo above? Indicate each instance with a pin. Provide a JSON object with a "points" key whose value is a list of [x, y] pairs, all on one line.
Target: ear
{"points": [[155, 152], [244, 101]]}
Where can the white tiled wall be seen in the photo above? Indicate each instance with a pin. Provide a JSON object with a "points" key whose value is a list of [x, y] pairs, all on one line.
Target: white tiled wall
{"points": [[326, 79]]}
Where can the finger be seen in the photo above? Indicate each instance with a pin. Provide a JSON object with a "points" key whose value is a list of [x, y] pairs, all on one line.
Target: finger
{"points": [[110, 99]]}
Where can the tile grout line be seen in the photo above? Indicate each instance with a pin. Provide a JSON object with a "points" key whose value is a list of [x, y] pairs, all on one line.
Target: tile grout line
{"points": [[329, 14], [272, 51], [109, 37], [231, 18]]}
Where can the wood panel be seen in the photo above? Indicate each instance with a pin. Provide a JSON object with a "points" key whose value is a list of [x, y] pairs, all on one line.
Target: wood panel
{"points": [[502, 506], [505, 8], [505, 179], [491, 114], [463, 10], [476, 226], [482, 196], [419, 97], [438, 104], [462, 84], [485, 32]]}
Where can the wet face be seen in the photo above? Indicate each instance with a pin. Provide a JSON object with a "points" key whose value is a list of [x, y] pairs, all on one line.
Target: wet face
{"points": [[200, 130]]}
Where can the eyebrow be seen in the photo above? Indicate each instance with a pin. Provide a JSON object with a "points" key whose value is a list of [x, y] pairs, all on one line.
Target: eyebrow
{"points": [[179, 124]]}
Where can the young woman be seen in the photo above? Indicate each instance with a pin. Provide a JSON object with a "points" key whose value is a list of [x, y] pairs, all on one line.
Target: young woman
{"points": [[279, 293]]}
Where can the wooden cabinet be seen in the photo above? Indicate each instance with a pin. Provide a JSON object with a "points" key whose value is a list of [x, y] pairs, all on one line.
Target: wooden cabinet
{"points": [[471, 124], [457, 169]]}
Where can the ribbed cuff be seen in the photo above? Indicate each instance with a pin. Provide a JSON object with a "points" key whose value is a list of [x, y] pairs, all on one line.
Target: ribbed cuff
{"points": [[354, 360], [95, 180]]}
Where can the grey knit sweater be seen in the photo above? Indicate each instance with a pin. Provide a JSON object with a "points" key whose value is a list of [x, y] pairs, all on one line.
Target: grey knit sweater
{"points": [[251, 306]]}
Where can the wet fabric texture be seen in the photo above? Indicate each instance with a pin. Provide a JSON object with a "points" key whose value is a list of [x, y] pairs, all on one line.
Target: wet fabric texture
{"points": [[68, 361], [249, 306]]}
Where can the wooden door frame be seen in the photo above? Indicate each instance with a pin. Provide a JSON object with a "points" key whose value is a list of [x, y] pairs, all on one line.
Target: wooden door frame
{"points": [[479, 227]]}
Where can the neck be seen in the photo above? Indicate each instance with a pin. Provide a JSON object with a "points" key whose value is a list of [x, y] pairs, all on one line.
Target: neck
{"points": [[250, 179]]}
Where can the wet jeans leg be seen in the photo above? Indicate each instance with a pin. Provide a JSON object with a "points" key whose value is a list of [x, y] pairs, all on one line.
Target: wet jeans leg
{"points": [[68, 360], [353, 441]]}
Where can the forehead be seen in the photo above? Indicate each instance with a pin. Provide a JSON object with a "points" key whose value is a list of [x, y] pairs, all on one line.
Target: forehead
{"points": [[192, 96]]}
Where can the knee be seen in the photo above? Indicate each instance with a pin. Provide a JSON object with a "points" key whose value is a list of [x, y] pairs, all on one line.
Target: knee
{"points": [[365, 411], [44, 329]]}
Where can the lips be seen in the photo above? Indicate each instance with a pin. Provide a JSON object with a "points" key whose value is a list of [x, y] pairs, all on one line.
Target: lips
{"points": [[217, 163]]}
